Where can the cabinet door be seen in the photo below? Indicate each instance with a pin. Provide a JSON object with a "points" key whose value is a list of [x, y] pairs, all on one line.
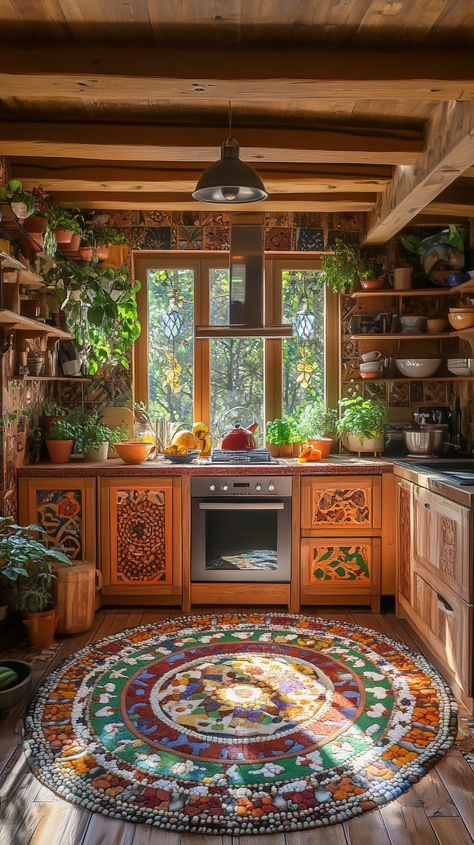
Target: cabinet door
{"points": [[140, 535], [404, 525], [342, 503], [348, 567], [65, 508], [443, 539]]}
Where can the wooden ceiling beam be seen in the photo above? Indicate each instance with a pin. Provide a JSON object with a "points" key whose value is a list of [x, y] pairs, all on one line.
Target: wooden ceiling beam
{"points": [[151, 73], [60, 177], [449, 152], [455, 201], [181, 202], [125, 142]]}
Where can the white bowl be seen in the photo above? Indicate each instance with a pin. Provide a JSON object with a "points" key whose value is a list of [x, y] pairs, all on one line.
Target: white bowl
{"points": [[418, 367], [460, 366], [368, 357], [371, 367]]}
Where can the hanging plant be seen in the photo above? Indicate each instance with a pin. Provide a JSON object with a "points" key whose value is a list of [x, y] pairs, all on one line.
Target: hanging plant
{"points": [[341, 268], [22, 202]]}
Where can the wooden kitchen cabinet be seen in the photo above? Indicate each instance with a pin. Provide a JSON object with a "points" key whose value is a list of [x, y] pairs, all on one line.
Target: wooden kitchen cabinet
{"points": [[65, 508], [341, 570], [442, 539], [404, 537], [140, 539], [350, 504]]}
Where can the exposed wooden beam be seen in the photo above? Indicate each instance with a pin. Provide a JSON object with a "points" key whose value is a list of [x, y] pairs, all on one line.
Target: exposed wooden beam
{"points": [[66, 176], [455, 201], [125, 142], [449, 151], [182, 202], [151, 73]]}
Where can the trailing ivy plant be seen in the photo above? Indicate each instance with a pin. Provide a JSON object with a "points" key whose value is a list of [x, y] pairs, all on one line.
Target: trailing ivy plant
{"points": [[101, 310], [341, 268], [58, 218]]}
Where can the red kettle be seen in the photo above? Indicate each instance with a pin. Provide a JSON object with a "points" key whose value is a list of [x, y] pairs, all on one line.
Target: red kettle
{"points": [[239, 439]]}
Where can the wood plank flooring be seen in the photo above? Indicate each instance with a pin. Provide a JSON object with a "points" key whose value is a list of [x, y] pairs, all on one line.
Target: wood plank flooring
{"points": [[437, 811]]}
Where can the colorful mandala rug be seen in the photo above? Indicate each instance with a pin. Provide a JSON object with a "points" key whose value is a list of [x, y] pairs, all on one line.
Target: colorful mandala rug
{"points": [[239, 723]]}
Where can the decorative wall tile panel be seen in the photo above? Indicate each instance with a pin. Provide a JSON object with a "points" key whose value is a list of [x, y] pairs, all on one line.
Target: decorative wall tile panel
{"points": [[310, 239], [278, 238], [60, 513], [216, 237], [158, 237], [189, 237]]}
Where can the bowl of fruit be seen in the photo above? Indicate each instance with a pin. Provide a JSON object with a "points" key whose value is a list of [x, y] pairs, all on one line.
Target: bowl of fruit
{"points": [[187, 445], [15, 683]]}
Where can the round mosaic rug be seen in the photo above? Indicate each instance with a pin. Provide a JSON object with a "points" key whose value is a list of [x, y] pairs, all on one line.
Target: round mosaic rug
{"points": [[239, 723]]}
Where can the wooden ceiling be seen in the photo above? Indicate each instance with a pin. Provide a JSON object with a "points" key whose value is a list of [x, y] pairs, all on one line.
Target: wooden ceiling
{"points": [[362, 105]]}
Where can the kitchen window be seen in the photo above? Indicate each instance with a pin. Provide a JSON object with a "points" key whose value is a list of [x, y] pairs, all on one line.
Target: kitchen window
{"points": [[222, 380]]}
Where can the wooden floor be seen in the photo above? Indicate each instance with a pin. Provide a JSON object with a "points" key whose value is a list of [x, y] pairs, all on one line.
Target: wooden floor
{"points": [[437, 811]]}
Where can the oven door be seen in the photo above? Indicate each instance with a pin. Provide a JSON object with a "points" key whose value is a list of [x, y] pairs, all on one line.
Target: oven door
{"points": [[235, 540]]}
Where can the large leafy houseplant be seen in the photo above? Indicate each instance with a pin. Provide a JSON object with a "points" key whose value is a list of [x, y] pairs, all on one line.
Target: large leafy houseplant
{"points": [[362, 423], [101, 310], [317, 420], [341, 268]]}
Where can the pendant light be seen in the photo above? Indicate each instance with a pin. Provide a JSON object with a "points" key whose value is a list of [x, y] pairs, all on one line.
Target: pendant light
{"points": [[230, 180]]}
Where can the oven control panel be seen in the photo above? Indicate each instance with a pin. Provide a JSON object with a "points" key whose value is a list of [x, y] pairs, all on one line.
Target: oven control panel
{"points": [[241, 486]]}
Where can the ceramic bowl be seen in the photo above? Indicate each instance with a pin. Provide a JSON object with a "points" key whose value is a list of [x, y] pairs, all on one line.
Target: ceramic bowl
{"points": [[372, 284], [460, 366], [370, 367], [371, 356], [463, 320], [133, 453], [412, 324], [417, 367], [369, 375], [436, 326], [183, 459]]}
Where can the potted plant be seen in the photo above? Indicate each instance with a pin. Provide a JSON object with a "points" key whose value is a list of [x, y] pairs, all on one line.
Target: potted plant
{"points": [[28, 564], [341, 268], [52, 411], [103, 237], [36, 224], [22, 202], [440, 254], [60, 439], [61, 226], [278, 437], [361, 424], [96, 438], [370, 274], [317, 425]]}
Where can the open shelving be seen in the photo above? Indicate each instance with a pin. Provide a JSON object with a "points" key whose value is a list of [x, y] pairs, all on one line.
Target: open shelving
{"points": [[17, 322], [464, 287]]}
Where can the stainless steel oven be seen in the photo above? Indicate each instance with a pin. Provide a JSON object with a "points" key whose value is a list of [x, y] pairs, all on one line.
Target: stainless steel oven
{"points": [[241, 528]]}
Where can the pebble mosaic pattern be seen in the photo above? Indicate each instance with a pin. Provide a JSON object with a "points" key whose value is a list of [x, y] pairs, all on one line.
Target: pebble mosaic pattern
{"points": [[239, 723]]}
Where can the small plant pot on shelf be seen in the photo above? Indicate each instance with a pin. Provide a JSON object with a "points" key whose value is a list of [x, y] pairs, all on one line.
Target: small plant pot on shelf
{"points": [[99, 454], [63, 236], [86, 253], [102, 252], [324, 445], [59, 451], [15, 689], [359, 444], [372, 284], [41, 626], [35, 226], [20, 210], [273, 449], [297, 448], [286, 450]]}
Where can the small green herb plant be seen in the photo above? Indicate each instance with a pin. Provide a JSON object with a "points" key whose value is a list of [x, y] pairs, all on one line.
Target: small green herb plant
{"points": [[317, 420], [51, 408], [279, 432], [15, 192], [64, 429], [94, 433], [363, 417], [28, 564]]}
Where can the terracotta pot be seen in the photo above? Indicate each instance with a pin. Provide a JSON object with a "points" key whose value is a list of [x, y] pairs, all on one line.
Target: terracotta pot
{"points": [[59, 451], [12, 696], [63, 236], [297, 447], [322, 443], [102, 252], [286, 450], [86, 253], [72, 246], [274, 450], [372, 284], [41, 627], [48, 421], [35, 225]]}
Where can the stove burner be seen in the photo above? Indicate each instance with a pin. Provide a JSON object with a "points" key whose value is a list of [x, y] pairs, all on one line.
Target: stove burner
{"points": [[253, 456]]}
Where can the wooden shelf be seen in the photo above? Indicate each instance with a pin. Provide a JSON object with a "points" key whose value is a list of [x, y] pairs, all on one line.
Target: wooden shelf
{"points": [[15, 272], [407, 380], [464, 287], [417, 336], [19, 323], [79, 379]]}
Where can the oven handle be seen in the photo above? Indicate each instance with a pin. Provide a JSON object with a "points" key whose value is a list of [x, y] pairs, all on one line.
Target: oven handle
{"points": [[241, 506]]}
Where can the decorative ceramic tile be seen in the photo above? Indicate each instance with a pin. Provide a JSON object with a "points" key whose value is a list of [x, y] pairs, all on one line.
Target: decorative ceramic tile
{"points": [[138, 237], [215, 219], [398, 395], [278, 219], [416, 392], [186, 218], [341, 235], [122, 218], [310, 239], [376, 390], [158, 237], [157, 218], [278, 239], [189, 237], [307, 218], [434, 393], [347, 221], [216, 237], [351, 390]]}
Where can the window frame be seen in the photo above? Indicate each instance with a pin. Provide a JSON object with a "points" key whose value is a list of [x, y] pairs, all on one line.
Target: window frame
{"points": [[201, 264]]}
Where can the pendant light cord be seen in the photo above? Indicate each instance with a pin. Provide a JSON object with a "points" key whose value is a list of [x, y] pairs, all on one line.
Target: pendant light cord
{"points": [[230, 119]]}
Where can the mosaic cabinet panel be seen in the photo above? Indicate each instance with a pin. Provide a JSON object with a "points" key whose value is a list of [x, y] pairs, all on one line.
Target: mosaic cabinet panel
{"points": [[404, 527], [448, 546], [141, 541], [60, 513], [339, 563], [343, 506]]}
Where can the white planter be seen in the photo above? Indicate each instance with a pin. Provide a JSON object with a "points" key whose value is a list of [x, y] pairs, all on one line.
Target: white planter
{"points": [[357, 443], [20, 210], [100, 454]]}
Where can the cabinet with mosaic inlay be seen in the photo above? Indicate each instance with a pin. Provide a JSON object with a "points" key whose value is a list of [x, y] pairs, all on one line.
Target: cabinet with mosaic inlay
{"points": [[140, 539], [349, 504], [65, 508], [341, 570]]}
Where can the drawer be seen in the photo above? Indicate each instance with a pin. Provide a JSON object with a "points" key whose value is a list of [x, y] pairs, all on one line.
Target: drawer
{"points": [[444, 621], [336, 566], [443, 539], [343, 503]]}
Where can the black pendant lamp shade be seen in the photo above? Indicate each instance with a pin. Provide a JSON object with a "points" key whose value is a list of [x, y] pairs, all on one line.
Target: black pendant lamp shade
{"points": [[230, 180]]}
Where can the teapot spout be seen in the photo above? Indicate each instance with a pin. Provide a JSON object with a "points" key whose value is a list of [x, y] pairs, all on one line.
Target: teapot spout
{"points": [[253, 427]]}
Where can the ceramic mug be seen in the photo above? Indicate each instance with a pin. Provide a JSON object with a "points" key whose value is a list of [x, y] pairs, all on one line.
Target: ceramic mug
{"points": [[401, 278], [367, 357]]}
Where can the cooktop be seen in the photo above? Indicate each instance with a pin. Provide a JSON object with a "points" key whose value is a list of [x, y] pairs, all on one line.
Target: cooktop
{"points": [[251, 456]]}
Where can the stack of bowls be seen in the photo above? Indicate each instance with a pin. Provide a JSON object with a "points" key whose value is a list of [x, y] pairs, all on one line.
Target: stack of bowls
{"points": [[461, 366], [461, 318], [371, 365]]}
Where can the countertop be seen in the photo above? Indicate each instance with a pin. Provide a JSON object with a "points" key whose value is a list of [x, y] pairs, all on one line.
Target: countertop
{"points": [[432, 480], [337, 465]]}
